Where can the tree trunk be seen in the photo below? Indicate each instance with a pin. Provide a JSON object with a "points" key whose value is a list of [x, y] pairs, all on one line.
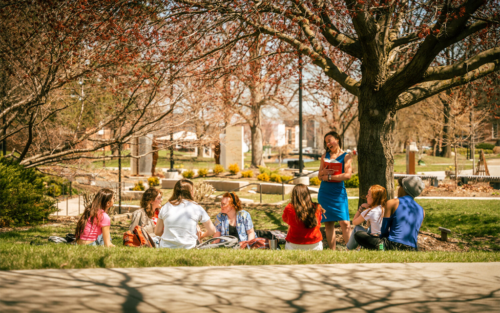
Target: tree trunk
{"points": [[446, 130], [257, 159], [375, 157]]}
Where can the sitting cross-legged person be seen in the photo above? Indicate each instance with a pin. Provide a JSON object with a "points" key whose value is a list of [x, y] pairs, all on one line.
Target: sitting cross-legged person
{"points": [[178, 219], [372, 212], [402, 220], [233, 220], [304, 219]]}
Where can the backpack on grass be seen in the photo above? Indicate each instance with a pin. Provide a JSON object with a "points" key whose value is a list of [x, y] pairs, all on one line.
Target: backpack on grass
{"points": [[138, 238], [230, 242]]}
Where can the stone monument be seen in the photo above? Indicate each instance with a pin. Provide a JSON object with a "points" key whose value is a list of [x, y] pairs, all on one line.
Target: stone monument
{"points": [[231, 147], [141, 146]]}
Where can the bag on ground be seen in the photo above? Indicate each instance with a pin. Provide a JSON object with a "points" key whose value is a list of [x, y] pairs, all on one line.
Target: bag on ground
{"points": [[56, 239], [138, 238], [257, 243], [225, 242]]}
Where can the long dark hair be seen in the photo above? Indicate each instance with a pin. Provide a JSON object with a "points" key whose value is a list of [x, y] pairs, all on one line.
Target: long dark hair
{"points": [[99, 203], [147, 197], [304, 208], [335, 135], [183, 190]]}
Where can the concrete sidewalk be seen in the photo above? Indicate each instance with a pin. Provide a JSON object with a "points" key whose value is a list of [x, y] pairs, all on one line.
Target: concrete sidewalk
{"points": [[416, 287]]}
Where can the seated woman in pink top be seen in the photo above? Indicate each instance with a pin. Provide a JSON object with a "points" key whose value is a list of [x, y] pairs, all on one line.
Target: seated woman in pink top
{"points": [[93, 226]]}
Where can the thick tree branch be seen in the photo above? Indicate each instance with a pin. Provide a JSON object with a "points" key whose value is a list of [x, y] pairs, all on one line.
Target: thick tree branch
{"points": [[429, 89], [461, 68]]}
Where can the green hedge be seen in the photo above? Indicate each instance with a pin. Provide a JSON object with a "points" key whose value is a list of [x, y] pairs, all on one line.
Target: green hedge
{"points": [[485, 146], [353, 182], [22, 195]]}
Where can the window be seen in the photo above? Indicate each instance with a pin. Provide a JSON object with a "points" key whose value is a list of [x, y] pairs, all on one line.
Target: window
{"points": [[494, 131]]}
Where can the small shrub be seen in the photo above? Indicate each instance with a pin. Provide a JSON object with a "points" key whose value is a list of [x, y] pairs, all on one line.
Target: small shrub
{"points": [[247, 174], [22, 193], [262, 169], [153, 181], [263, 177], [315, 181], [139, 186], [496, 150], [234, 168], [54, 191], [188, 174], [203, 172], [247, 165], [485, 146], [202, 191], [276, 178], [353, 182], [285, 178], [218, 169]]}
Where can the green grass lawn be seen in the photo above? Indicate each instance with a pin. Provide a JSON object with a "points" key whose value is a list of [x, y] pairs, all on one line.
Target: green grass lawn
{"points": [[476, 222]]}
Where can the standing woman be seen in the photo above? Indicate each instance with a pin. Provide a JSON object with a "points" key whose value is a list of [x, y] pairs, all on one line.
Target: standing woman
{"points": [[332, 195], [93, 228]]}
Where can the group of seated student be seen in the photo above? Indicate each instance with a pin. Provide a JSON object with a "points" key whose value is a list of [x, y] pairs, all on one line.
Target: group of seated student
{"points": [[394, 223]]}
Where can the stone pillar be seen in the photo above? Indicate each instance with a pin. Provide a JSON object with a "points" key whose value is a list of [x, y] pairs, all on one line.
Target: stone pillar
{"points": [[141, 146], [411, 150], [231, 147]]}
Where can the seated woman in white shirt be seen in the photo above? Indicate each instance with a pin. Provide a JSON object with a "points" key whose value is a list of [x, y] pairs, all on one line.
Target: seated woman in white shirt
{"points": [[372, 211], [178, 219]]}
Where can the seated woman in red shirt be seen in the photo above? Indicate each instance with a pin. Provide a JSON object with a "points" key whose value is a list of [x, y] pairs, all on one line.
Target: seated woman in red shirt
{"points": [[304, 219]]}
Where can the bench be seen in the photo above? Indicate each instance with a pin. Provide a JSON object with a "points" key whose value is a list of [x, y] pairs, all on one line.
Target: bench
{"points": [[432, 178], [493, 180]]}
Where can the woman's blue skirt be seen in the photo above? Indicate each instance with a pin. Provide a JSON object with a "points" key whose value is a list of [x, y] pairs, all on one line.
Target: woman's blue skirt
{"points": [[333, 198]]}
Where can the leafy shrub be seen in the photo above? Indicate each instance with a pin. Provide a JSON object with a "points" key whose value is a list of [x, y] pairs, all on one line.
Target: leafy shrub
{"points": [[22, 195], [276, 178], [247, 165], [263, 169], [485, 146], [203, 172], [153, 181], [247, 174], [315, 181], [286, 178], [188, 174], [234, 168], [496, 150], [218, 169], [139, 186], [263, 177], [54, 191], [353, 182]]}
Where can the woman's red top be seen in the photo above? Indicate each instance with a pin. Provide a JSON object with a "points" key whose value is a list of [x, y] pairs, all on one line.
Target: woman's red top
{"points": [[297, 232]]}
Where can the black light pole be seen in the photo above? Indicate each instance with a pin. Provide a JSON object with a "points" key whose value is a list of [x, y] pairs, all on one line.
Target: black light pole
{"points": [[300, 115], [119, 178], [4, 143], [171, 152]]}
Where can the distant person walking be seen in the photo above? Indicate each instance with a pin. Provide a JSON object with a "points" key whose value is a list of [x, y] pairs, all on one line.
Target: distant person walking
{"points": [[332, 195]]}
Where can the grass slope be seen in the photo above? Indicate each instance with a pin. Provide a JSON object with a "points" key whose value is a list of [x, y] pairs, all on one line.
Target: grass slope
{"points": [[473, 221]]}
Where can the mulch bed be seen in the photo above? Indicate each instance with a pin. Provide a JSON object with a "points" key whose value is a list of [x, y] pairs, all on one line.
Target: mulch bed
{"points": [[449, 189]]}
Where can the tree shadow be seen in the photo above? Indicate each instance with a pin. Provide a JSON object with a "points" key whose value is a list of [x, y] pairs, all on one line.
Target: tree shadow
{"points": [[327, 288]]}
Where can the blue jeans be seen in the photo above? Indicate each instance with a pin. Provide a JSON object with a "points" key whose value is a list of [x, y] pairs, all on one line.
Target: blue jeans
{"points": [[99, 241], [353, 244]]}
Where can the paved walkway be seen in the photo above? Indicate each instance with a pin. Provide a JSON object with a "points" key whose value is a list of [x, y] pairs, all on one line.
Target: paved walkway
{"points": [[416, 287]]}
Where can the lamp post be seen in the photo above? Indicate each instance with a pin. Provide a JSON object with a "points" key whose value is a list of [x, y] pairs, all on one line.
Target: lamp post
{"points": [[300, 116]]}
